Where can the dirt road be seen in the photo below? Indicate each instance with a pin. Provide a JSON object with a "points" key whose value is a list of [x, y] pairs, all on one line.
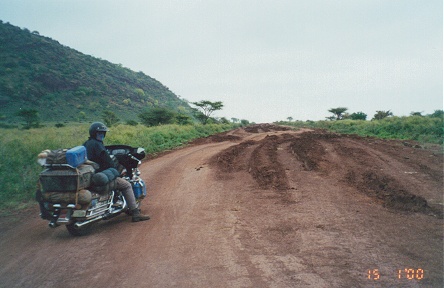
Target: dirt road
{"points": [[256, 207]]}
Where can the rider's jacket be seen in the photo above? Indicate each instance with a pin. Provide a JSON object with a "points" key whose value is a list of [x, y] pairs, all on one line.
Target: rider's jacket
{"points": [[97, 152]]}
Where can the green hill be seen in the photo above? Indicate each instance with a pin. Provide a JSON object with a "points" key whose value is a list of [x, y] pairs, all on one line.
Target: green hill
{"points": [[64, 85]]}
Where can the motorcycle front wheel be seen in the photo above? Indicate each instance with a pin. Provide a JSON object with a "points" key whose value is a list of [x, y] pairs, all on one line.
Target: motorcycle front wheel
{"points": [[78, 231]]}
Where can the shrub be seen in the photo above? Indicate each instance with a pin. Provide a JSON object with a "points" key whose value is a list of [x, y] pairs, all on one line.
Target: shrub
{"points": [[156, 116], [132, 123], [419, 128]]}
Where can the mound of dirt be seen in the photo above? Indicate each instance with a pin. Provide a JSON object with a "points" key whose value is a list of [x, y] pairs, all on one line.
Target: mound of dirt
{"points": [[234, 158], [220, 137], [260, 128], [265, 167], [348, 158], [389, 191]]}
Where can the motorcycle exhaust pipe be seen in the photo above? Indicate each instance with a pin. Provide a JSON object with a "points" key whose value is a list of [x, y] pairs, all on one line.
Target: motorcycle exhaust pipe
{"points": [[102, 217], [78, 225]]}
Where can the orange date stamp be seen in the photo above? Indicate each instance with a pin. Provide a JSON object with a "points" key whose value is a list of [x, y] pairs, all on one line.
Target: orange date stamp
{"points": [[405, 273]]}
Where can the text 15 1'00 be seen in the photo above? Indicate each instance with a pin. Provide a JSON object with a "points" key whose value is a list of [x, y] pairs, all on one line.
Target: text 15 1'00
{"points": [[406, 273]]}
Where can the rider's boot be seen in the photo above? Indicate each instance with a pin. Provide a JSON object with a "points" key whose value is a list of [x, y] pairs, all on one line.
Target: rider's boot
{"points": [[137, 216]]}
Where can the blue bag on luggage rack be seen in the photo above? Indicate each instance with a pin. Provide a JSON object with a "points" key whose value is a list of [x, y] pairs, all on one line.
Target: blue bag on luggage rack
{"points": [[76, 156]]}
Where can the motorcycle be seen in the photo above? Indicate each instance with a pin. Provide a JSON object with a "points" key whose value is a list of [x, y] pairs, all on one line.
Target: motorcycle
{"points": [[70, 196]]}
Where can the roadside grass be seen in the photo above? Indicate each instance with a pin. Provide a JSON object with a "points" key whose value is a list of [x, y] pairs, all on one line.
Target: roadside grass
{"points": [[19, 170], [424, 129]]}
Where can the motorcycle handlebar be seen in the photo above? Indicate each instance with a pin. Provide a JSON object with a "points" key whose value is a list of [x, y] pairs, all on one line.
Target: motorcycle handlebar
{"points": [[134, 158]]}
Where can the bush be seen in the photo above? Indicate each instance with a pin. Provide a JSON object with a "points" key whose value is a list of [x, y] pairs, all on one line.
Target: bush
{"points": [[183, 119], [419, 128], [110, 118], [132, 123], [157, 116]]}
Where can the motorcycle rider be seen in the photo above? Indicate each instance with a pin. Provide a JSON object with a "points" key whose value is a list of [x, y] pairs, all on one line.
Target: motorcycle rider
{"points": [[97, 152]]}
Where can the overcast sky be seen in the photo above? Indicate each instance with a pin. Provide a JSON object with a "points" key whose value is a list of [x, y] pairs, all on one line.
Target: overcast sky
{"points": [[266, 60]]}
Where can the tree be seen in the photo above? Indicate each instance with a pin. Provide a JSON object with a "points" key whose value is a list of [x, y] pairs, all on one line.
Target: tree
{"points": [[139, 92], [358, 116], [437, 114], [224, 120], [338, 112], [183, 119], [207, 108], [416, 114], [382, 114], [110, 118], [201, 117], [31, 118], [156, 116], [290, 119], [245, 122]]}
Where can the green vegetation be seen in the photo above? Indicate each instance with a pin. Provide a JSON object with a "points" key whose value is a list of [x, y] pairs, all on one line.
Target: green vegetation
{"points": [[157, 116], [31, 118], [338, 113], [19, 149], [207, 108], [64, 85], [425, 129], [382, 115], [358, 116], [110, 118]]}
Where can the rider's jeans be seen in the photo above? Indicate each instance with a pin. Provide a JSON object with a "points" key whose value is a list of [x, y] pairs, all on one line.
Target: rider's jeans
{"points": [[127, 190]]}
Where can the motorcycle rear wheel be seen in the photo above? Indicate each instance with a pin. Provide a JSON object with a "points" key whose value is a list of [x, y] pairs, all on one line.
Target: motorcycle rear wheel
{"points": [[81, 231]]}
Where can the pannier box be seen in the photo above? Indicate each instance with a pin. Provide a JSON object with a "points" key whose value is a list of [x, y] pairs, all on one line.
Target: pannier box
{"points": [[76, 156], [66, 179]]}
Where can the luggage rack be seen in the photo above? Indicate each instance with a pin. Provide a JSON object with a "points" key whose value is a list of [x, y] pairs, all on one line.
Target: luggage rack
{"points": [[59, 166], [91, 163]]}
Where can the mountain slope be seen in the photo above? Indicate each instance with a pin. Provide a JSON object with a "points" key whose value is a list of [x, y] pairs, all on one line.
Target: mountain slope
{"points": [[65, 85]]}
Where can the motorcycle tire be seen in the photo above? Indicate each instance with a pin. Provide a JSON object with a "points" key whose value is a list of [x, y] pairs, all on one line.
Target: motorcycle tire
{"points": [[82, 231]]}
